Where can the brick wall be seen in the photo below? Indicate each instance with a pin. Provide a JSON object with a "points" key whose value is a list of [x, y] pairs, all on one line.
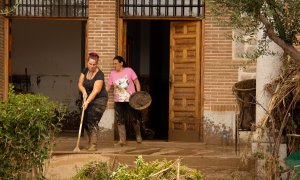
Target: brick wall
{"points": [[1, 53], [220, 71], [101, 33]]}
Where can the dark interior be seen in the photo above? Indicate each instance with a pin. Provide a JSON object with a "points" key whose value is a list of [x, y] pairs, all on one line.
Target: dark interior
{"points": [[156, 80]]}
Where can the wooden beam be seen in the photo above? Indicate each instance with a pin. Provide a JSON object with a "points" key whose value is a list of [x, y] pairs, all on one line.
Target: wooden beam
{"points": [[86, 42], [201, 103], [6, 58], [122, 37]]}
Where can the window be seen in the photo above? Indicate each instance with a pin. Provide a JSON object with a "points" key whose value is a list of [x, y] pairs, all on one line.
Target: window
{"points": [[243, 45], [50, 8], [161, 8]]}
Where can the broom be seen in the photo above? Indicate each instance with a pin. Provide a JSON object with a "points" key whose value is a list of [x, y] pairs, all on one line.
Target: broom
{"points": [[79, 133]]}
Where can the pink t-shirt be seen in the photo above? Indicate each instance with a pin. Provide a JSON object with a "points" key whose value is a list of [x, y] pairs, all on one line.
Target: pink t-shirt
{"points": [[123, 84]]}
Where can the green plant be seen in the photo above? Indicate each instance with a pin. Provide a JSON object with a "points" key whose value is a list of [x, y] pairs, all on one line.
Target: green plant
{"points": [[93, 170], [258, 155], [155, 170], [142, 171], [28, 124]]}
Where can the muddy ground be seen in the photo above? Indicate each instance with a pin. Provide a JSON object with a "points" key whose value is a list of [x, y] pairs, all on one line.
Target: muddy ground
{"points": [[214, 161]]}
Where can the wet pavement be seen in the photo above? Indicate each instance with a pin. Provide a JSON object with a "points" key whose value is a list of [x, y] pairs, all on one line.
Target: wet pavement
{"points": [[66, 145], [214, 161]]}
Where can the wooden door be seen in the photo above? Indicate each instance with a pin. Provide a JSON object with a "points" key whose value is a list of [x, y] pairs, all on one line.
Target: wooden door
{"points": [[184, 97]]}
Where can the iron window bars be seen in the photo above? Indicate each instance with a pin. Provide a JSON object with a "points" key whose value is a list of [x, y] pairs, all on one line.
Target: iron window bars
{"points": [[49, 8], [161, 8]]}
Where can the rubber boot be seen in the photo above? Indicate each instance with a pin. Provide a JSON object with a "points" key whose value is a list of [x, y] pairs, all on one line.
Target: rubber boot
{"points": [[137, 129], [88, 134], [93, 142], [122, 135]]}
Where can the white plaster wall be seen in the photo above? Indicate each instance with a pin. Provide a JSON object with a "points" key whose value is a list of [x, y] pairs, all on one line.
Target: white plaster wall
{"points": [[106, 124], [214, 122], [267, 68], [51, 51], [228, 119], [243, 74], [221, 117], [107, 119]]}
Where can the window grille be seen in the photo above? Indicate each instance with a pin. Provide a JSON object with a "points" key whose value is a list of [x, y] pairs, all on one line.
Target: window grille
{"points": [[243, 45], [161, 8], [50, 8]]}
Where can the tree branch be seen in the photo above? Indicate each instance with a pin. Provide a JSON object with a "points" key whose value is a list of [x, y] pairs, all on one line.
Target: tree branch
{"points": [[287, 48]]}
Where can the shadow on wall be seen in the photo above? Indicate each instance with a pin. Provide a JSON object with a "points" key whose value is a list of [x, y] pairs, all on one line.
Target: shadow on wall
{"points": [[217, 134], [71, 121]]}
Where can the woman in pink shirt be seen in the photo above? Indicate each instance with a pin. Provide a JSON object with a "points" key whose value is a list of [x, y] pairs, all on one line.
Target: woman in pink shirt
{"points": [[125, 82]]}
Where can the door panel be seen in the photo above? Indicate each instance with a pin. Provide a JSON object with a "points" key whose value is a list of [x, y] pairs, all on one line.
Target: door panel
{"points": [[122, 37], [184, 107]]}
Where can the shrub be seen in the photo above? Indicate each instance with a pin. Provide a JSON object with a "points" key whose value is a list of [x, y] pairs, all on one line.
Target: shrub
{"points": [[156, 170], [143, 170], [93, 170], [27, 126]]}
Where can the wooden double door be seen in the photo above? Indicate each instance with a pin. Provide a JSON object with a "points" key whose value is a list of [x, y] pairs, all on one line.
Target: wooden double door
{"points": [[184, 90]]}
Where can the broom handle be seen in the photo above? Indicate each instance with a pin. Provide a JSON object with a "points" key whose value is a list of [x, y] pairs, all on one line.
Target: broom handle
{"points": [[80, 127]]}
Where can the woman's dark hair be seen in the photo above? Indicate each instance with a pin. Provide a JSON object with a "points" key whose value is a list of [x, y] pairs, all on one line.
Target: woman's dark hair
{"points": [[93, 55], [120, 59]]}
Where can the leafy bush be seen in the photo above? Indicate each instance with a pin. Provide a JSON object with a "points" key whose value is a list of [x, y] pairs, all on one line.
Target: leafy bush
{"points": [[142, 170], [27, 126], [155, 170], [93, 170]]}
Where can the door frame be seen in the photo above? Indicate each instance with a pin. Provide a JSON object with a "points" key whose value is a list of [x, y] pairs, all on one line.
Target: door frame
{"points": [[121, 50]]}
